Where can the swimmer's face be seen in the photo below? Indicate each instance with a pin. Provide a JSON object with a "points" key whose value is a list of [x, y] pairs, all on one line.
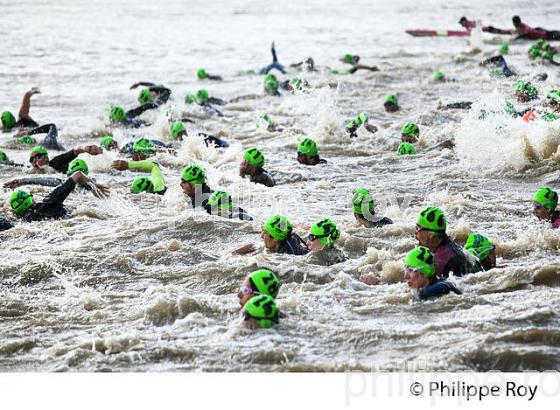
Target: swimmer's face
{"points": [[245, 292], [39, 160], [269, 242], [541, 212], [138, 156], [414, 278], [314, 245], [490, 261], [307, 160], [408, 138], [390, 107], [424, 236], [187, 188]]}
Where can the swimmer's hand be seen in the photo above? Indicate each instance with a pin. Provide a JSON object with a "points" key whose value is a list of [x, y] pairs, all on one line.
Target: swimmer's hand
{"points": [[245, 249], [449, 144], [120, 164], [14, 183], [370, 279], [371, 128], [34, 90], [89, 149], [100, 191]]}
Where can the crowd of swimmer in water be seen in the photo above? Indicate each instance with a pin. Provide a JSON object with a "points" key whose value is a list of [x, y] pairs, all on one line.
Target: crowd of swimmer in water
{"points": [[427, 267]]}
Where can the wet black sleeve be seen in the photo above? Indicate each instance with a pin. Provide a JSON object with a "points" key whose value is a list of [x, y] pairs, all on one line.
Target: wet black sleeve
{"points": [[60, 193], [274, 57], [5, 224], [61, 162], [241, 214], [135, 112], [263, 178], [461, 265], [163, 94]]}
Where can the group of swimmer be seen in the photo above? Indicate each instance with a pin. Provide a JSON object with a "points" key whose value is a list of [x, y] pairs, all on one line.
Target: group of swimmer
{"points": [[427, 267]]}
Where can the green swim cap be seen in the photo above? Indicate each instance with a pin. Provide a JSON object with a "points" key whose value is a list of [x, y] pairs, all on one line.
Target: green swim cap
{"points": [[3, 156], [21, 201], [77, 165], [405, 148], [221, 200], [361, 119], [8, 120], [117, 113], [145, 96], [547, 54], [143, 146], [534, 51], [526, 88], [254, 157], [504, 49], [554, 95], [265, 118], [326, 231], [363, 202], [438, 76], [202, 96], [392, 99], [193, 174], [38, 150], [422, 260], [270, 76], [550, 116], [27, 140], [142, 184], [176, 128], [308, 147], [296, 83], [263, 309], [432, 219], [547, 198], [190, 99], [271, 86], [347, 58], [479, 245], [266, 282], [411, 130], [509, 109], [278, 227], [542, 44], [201, 74], [106, 141]]}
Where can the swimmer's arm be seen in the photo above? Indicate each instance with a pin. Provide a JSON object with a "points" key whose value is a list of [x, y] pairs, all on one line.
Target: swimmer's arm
{"points": [[141, 83], [44, 181], [26, 103], [246, 97], [273, 51], [135, 112], [245, 249], [370, 127], [163, 93]]}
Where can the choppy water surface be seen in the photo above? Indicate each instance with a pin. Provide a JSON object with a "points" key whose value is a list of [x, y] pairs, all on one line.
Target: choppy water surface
{"points": [[143, 282]]}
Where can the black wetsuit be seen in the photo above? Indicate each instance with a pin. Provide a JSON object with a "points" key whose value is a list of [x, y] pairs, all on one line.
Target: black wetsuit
{"points": [[213, 140], [201, 198], [52, 207], [5, 224], [162, 93], [500, 62], [293, 246], [464, 105], [130, 120], [50, 141], [437, 287], [378, 223], [26, 123], [240, 213], [61, 162], [263, 177], [449, 257]]}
